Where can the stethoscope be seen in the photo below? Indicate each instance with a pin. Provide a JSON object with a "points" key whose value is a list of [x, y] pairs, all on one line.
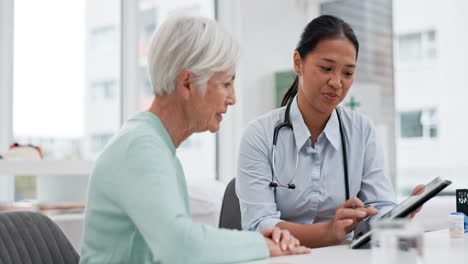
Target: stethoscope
{"points": [[287, 123]]}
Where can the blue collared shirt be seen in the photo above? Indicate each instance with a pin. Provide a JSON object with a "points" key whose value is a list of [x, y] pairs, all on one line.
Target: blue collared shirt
{"points": [[320, 185]]}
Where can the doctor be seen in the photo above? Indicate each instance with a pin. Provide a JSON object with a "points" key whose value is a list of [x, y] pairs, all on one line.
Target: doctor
{"points": [[313, 167]]}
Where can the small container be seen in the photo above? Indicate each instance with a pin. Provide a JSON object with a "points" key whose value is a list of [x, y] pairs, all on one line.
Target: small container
{"points": [[397, 241], [456, 225]]}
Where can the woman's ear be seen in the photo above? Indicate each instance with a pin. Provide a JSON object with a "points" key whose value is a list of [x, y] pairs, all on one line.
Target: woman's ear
{"points": [[183, 85], [297, 63]]}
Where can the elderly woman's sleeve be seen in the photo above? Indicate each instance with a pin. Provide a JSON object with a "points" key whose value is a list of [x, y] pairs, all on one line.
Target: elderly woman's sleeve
{"points": [[256, 198], [155, 198]]}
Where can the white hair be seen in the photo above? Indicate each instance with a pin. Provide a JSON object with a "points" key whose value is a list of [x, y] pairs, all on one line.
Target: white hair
{"points": [[197, 44]]}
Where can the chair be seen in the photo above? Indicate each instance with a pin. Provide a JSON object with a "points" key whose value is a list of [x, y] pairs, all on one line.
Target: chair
{"points": [[230, 216], [29, 237]]}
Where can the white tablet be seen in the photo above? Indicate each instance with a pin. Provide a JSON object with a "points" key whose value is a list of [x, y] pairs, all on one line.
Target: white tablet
{"points": [[403, 209]]}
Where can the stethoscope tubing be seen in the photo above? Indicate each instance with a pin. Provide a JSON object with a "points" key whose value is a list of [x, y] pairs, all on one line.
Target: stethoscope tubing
{"points": [[287, 123]]}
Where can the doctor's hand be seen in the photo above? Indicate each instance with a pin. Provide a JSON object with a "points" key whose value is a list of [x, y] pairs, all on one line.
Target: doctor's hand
{"points": [[416, 191], [347, 217], [281, 242]]}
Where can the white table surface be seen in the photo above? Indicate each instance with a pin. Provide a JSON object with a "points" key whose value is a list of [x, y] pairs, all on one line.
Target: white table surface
{"points": [[438, 248]]}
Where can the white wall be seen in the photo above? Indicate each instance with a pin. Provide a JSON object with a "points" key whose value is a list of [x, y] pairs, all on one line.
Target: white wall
{"points": [[268, 31]]}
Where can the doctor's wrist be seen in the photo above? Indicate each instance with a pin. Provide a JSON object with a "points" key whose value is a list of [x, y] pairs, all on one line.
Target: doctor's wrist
{"points": [[332, 236]]}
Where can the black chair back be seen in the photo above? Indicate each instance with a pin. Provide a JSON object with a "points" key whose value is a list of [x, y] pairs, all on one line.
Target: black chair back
{"points": [[230, 210], [33, 238]]}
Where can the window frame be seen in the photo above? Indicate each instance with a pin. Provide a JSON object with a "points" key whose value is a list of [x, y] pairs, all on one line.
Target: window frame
{"points": [[7, 184], [6, 73], [425, 44]]}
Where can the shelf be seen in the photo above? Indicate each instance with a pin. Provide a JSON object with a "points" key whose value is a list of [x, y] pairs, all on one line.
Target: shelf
{"points": [[66, 217], [46, 167]]}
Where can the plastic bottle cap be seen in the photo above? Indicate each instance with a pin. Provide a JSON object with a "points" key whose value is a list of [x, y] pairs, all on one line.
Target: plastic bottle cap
{"points": [[457, 213]]}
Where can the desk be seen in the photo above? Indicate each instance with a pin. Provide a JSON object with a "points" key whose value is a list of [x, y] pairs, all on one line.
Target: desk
{"points": [[438, 248]]}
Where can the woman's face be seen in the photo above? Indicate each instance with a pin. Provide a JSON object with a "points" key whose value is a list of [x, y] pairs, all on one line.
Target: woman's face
{"points": [[326, 74], [209, 107]]}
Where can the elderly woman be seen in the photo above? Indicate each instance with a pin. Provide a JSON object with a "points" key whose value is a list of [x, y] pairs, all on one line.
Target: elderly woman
{"points": [[138, 207]]}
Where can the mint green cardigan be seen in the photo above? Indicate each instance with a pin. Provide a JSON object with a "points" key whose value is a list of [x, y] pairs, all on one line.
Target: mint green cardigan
{"points": [[138, 207]]}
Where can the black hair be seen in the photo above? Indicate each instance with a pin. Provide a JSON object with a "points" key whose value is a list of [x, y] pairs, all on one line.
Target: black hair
{"points": [[322, 27]]}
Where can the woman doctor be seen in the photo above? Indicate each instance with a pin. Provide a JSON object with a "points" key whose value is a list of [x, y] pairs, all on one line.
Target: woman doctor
{"points": [[325, 173]]}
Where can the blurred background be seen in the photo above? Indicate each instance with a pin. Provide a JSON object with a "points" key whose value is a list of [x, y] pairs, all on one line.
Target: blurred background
{"points": [[71, 72]]}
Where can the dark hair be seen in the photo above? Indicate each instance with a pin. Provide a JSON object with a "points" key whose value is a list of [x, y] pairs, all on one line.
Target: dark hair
{"points": [[322, 27]]}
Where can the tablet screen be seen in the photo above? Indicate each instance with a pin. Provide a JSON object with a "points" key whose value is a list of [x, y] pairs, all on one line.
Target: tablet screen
{"points": [[400, 208]]}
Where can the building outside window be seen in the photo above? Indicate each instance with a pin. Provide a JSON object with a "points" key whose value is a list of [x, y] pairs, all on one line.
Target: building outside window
{"points": [[103, 38], [102, 91], [430, 91], [200, 145]]}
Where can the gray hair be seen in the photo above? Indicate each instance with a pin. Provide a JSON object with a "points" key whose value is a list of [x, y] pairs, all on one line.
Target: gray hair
{"points": [[197, 44]]}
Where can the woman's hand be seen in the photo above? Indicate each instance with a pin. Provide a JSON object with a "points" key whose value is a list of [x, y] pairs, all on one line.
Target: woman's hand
{"points": [[281, 242], [416, 191], [347, 217]]}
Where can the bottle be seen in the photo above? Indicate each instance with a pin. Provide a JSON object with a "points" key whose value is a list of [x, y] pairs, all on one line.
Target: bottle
{"points": [[457, 225]]}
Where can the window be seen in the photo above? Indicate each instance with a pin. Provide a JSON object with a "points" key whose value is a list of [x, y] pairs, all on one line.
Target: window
{"points": [[419, 124], [58, 91], [50, 108], [409, 47], [146, 90], [148, 21], [201, 145], [429, 45], [68, 97], [98, 142], [417, 47], [25, 188], [57, 148], [429, 122], [103, 38], [410, 124], [102, 91]]}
